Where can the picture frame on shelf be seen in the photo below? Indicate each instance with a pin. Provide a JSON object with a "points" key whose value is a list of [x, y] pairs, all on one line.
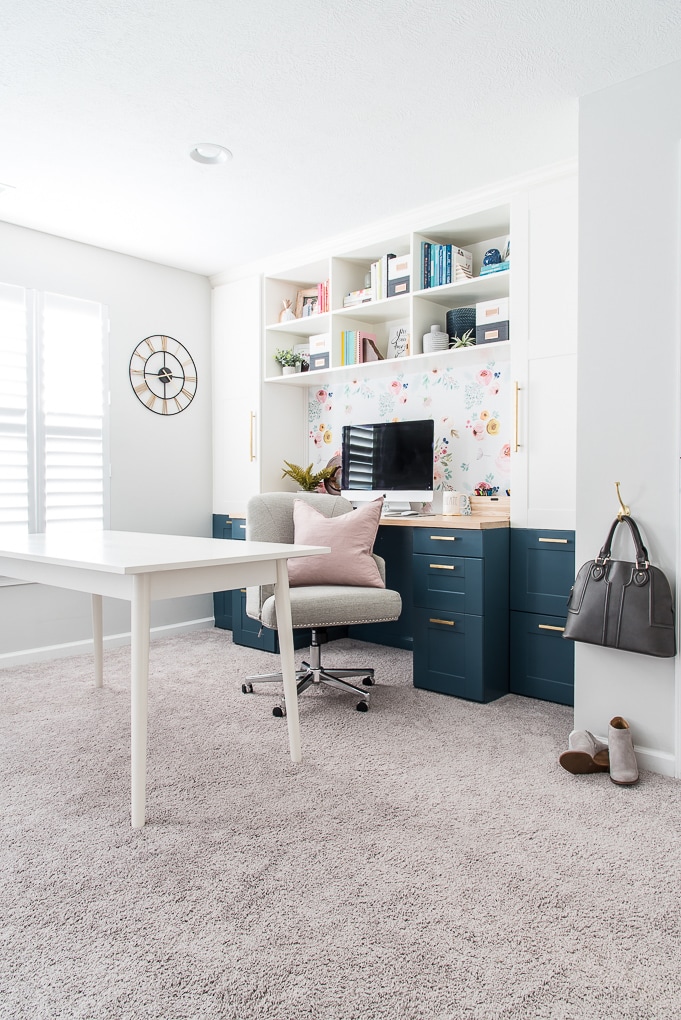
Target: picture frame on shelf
{"points": [[306, 303], [399, 340]]}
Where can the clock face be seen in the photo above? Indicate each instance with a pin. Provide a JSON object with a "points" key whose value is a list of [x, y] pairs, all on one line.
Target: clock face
{"points": [[163, 374]]}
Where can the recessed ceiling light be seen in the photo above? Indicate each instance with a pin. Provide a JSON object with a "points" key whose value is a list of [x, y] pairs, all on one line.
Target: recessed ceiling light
{"points": [[207, 152]]}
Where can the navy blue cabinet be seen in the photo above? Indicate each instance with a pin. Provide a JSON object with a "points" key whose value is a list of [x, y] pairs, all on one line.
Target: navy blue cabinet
{"points": [[461, 617], [542, 572], [230, 606], [222, 600], [394, 544]]}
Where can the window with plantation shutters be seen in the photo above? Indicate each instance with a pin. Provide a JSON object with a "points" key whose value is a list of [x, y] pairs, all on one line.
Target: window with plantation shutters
{"points": [[53, 470]]}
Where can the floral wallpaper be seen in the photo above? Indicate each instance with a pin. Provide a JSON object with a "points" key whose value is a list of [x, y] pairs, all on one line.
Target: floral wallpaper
{"points": [[469, 405]]}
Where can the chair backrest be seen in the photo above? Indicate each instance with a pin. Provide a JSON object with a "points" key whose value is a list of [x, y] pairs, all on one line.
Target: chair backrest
{"points": [[269, 516]]}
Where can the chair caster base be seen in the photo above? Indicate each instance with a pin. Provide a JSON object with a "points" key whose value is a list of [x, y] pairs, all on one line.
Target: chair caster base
{"points": [[247, 688], [362, 706], [368, 681], [279, 711]]}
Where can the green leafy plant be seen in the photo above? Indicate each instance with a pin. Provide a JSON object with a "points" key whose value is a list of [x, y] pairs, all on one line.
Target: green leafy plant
{"points": [[287, 357], [467, 340], [307, 479]]}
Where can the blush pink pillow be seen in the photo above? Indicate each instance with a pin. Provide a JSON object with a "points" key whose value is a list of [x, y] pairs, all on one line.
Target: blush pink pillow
{"points": [[351, 539]]}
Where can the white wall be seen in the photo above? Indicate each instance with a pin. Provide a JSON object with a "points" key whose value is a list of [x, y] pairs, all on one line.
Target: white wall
{"points": [[628, 375], [161, 466]]}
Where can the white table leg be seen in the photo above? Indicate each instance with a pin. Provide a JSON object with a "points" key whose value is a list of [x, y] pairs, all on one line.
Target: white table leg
{"points": [[98, 639], [140, 620], [285, 632]]}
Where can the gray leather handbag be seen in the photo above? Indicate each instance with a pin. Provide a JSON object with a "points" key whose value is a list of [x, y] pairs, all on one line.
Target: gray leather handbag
{"points": [[620, 604]]}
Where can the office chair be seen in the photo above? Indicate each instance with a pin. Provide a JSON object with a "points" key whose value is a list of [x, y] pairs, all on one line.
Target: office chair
{"points": [[270, 518]]}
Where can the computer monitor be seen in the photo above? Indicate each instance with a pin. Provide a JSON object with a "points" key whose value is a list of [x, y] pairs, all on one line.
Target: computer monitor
{"points": [[392, 459]]}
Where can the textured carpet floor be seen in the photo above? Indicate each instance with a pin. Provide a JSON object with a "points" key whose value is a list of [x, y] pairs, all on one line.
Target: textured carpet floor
{"points": [[429, 860]]}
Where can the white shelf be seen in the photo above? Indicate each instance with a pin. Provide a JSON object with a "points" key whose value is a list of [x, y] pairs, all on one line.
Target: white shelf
{"points": [[414, 363], [480, 288]]}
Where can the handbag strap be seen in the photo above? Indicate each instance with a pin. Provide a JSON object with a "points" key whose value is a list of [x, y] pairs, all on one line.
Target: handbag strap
{"points": [[641, 551]]}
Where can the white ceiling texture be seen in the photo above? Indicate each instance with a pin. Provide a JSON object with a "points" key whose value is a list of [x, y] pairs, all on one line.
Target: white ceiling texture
{"points": [[335, 115]]}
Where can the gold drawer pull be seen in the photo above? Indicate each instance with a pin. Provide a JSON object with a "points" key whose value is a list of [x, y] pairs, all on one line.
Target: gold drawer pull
{"points": [[441, 566], [443, 538], [558, 541], [547, 626], [448, 623]]}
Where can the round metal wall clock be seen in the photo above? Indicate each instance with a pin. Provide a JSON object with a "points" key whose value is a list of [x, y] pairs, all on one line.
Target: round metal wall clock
{"points": [[163, 374]]}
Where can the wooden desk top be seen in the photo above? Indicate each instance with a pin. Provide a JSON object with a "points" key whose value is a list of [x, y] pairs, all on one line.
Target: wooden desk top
{"points": [[475, 522]]}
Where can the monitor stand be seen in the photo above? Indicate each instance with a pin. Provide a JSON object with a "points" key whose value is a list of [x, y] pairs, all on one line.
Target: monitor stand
{"points": [[398, 508]]}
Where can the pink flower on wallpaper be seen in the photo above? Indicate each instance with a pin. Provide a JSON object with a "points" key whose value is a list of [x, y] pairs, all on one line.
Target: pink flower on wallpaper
{"points": [[494, 390], [438, 475], [395, 386], [427, 401], [322, 395], [318, 439], [503, 461], [479, 430], [403, 398], [485, 376], [329, 406]]}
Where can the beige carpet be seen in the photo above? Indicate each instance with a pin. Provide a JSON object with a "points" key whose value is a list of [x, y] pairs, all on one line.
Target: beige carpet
{"points": [[429, 860]]}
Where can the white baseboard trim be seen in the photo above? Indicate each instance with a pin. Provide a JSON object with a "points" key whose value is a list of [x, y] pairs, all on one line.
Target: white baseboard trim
{"points": [[63, 651], [655, 761]]}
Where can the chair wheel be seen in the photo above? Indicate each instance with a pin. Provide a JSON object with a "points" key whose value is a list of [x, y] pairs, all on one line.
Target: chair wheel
{"points": [[368, 681], [362, 706], [279, 711], [247, 688]]}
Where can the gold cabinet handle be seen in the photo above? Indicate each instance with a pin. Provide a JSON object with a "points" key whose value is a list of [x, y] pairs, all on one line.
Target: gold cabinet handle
{"points": [[251, 444], [516, 442], [558, 541], [547, 626], [448, 623], [441, 566], [443, 538]]}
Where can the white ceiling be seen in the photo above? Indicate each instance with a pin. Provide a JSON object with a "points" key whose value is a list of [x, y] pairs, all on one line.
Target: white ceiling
{"points": [[336, 115]]}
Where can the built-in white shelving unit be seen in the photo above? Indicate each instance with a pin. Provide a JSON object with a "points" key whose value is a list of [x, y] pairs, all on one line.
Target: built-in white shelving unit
{"points": [[418, 310]]}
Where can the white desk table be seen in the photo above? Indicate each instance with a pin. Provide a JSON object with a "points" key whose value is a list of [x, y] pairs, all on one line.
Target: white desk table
{"points": [[141, 567]]}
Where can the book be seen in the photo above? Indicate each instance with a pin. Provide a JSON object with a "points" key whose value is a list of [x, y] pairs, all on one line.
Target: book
{"points": [[497, 267]]}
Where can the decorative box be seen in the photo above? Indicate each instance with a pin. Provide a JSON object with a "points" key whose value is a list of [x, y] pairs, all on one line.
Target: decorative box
{"points": [[491, 311], [491, 332], [318, 361], [399, 275]]}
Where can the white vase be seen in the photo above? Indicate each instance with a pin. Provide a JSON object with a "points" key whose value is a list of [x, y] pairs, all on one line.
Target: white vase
{"points": [[288, 369]]}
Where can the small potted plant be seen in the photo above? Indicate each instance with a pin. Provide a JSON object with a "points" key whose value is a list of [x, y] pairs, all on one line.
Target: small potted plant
{"points": [[288, 359], [307, 479]]}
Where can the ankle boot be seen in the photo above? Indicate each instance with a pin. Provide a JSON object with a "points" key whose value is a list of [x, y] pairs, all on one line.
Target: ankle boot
{"points": [[623, 764], [586, 754]]}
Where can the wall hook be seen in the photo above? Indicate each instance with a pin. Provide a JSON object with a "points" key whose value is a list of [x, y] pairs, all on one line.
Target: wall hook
{"points": [[624, 511]]}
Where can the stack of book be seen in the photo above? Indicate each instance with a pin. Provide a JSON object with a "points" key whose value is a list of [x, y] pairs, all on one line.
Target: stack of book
{"points": [[379, 277], [358, 297], [358, 347], [323, 297], [496, 267], [444, 263]]}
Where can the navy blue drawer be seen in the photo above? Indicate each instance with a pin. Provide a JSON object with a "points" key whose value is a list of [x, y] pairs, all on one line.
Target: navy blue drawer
{"points": [[542, 570], [542, 662], [448, 542], [451, 583], [448, 653], [461, 655]]}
